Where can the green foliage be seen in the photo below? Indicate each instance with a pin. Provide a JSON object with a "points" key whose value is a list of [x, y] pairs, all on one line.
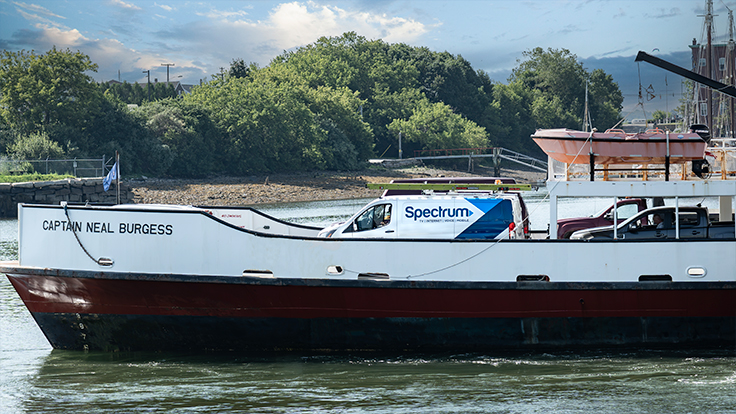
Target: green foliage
{"points": [[273, 121], [513, 103], [436, 126], [238, 68], [4, 178], [39, 90], [660, 115], [557, 78], [328, 105], [35, 146], [137, 94], [188, 131]]}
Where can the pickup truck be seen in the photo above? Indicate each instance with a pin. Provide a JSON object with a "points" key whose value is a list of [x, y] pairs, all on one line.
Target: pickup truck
{"points": [[659, 223], [624, 209]]}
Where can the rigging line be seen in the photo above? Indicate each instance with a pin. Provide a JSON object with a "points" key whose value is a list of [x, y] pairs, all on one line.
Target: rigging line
{"points": [[641, 98], [74, 230], [538, 205]]}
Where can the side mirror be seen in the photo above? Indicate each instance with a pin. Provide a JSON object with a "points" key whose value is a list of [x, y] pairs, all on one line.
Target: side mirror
{"points": [[633, 228]]}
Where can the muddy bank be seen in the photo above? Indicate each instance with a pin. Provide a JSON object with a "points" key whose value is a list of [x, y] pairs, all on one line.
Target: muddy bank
{"points": [[279, 188]]}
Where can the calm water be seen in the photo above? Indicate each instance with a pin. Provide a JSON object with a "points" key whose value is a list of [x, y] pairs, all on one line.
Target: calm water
{"points": [[36, 379]]}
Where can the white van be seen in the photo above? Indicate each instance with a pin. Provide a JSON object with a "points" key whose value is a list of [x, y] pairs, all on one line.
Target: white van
{"points": [[451, 216]]}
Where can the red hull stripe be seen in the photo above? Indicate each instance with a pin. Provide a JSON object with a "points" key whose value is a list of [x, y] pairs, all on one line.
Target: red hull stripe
{"points": [[242, 297]]}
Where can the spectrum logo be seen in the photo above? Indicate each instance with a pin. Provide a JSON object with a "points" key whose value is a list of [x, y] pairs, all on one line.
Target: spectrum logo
{"points": [[437, 212]]}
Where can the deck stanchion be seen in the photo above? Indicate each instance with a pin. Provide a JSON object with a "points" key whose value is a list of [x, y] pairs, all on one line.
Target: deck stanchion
{"points": [[592, 164]]}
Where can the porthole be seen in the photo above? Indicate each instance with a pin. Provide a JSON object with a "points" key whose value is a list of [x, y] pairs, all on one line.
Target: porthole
{"points": [[373, 276], [696, 271], [257, 273]]}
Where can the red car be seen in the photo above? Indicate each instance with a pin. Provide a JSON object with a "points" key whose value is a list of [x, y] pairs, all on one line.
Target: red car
{"points": [[625, 208]]}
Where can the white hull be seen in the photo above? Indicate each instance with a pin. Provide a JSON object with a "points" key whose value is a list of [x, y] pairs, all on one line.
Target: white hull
{"points": [[196, 243]]}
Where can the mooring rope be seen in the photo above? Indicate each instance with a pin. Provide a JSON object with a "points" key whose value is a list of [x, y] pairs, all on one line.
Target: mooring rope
{"points": [[76, 236]]}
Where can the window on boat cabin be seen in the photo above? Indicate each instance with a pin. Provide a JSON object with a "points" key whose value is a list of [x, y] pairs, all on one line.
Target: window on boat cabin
{"points": [[722, 64], [373, 218]]}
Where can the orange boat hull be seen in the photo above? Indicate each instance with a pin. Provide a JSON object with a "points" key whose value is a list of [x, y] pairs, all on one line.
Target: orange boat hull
{"points": [[575, 147]]}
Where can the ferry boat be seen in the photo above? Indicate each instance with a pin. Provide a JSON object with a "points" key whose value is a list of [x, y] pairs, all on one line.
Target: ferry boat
{"points": [[158, 277]]}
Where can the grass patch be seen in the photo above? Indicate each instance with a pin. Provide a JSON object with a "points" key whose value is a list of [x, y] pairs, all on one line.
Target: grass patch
{"points": [[32, 177]]}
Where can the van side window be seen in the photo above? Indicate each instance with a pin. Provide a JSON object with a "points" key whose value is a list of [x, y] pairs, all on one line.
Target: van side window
{"points": [[373, 218]]}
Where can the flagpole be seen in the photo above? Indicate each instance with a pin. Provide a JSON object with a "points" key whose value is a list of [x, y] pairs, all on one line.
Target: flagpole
{"points": [[117, 177]]}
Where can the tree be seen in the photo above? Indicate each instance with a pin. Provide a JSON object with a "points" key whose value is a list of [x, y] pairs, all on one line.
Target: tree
{"points": [[238, 68], [436, 126], [188, 131], [660, 116], [605, 99], [35, 146], [38, 90], [556, 81]]}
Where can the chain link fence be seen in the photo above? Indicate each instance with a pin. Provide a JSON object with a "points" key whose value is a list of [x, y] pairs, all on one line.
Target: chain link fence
{"points": [[78, 167]]}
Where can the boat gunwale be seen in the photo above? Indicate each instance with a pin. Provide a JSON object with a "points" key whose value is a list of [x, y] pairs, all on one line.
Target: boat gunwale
{"points": [[13, 269], [622, 140]]}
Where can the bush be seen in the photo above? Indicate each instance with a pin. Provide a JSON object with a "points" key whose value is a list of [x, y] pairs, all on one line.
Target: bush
{"points": [[36, 146]]}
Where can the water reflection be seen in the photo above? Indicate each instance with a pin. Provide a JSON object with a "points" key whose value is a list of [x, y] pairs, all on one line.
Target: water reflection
{"points": [[641, 382]]}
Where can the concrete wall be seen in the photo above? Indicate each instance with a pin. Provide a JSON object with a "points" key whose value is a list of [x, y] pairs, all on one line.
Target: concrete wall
{"points": [[79, 190]]}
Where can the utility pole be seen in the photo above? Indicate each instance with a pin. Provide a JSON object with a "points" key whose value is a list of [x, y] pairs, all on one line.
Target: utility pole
{"points": [[167, 71], [148, 87], [400, 152]]}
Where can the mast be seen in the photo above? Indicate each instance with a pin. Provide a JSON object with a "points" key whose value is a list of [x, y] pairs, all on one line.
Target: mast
{"points": [[586, 115], [731, 73], [708, 57]]}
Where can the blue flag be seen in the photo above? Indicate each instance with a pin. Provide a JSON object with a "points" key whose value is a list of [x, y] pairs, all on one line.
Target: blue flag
{"points": [[113, 174]]}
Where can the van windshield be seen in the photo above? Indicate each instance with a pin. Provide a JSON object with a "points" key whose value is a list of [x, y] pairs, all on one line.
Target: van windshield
{"points": [[373, 218]]}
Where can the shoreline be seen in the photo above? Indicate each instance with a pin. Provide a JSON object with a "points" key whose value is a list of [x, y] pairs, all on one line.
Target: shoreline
{"points": [[293, 187]]}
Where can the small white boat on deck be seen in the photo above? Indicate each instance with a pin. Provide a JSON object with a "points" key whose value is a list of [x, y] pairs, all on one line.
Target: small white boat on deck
{"points": [[617, 147]]}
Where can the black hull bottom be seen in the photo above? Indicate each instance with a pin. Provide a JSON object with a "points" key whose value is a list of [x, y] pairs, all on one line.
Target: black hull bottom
{"points": [[107, 332]]}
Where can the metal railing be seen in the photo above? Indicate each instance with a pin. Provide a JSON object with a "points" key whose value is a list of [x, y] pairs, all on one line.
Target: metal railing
{"points": [[78, 167], [497, 153]]}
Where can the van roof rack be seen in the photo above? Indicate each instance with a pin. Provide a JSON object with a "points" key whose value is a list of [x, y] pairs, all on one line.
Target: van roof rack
{"points": [[449, 187]]}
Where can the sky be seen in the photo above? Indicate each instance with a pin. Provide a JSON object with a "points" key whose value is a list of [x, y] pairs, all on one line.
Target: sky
{"points": [[200, 38]]}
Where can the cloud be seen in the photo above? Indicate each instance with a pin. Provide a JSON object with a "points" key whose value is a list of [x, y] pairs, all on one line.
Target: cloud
{"points": [[287, 26], [36, 10], [221, 14], [38, 14], [569, 28], [124, 5], [664, 14], [164, 6], [215, 37]]}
